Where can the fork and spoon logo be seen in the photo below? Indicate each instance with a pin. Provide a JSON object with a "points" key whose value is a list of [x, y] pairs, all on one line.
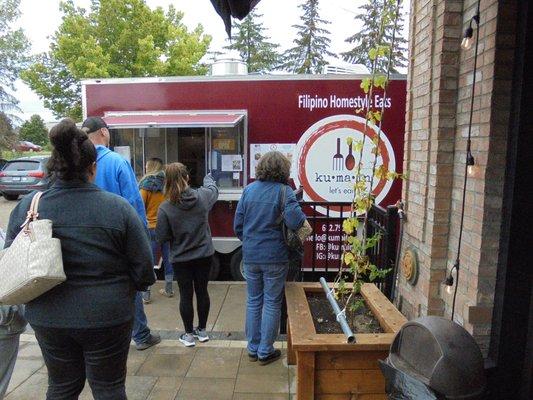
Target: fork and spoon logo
{"points": [[325, 163]]}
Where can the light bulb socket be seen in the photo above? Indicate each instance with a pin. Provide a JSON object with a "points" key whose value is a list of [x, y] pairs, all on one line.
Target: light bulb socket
{"points": [[470, 159], [449, 280], [469, 33]]}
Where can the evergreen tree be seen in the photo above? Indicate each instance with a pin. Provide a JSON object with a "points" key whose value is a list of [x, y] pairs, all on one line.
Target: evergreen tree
{"points": [[366, 38], [34, 130], [250, 41], [312, 43]]}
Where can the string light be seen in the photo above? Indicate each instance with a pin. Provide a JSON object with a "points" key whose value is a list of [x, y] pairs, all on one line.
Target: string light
{"points": [[470, 162]]}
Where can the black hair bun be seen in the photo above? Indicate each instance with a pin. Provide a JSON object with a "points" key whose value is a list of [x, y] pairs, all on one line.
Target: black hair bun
{"points": [[73, 152]]}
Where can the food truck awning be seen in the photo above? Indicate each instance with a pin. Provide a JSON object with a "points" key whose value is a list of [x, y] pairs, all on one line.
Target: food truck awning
{"points": [[177, 119]]}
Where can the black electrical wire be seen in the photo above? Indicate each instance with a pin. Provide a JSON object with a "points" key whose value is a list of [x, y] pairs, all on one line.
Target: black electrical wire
{"points": [[468, 157]]}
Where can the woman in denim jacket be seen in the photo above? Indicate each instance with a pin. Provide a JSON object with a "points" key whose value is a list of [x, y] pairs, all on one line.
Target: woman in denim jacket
{"points": [[265, 253]]}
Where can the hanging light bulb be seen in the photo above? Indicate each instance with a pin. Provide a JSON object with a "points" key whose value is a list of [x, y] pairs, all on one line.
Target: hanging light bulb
{"points": [[470, 162], [448, 283], [467, 38]]}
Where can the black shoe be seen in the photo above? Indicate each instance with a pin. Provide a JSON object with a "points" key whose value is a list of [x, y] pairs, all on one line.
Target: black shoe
{"points": [[252, 357], [270, 358], [152, 341]]}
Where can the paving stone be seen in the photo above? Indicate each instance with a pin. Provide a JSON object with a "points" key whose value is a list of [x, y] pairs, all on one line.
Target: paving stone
{"points": [[292, 379], [166, 365], [278, 367], [30, 351], [206, 389], [137, 388], [163, 314], [260, 396], [166, 388], [261, 383], [33, 388], [215, 362], [137, 358], [23, 370], [231, 317]]}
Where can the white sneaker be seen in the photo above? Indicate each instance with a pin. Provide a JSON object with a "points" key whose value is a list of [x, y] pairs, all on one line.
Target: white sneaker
{"points": [[187, 339], [201, 335]]}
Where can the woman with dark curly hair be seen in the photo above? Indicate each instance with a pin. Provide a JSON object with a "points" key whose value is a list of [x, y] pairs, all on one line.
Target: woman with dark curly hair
{"points": [[83, 325], [265, 253]]}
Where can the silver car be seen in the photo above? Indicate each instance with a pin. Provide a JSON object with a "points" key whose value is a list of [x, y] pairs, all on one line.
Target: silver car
{"points": [[24, 175]]}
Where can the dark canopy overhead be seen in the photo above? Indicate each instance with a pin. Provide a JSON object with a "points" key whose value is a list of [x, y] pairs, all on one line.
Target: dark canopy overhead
{"points": [[233, 8]]}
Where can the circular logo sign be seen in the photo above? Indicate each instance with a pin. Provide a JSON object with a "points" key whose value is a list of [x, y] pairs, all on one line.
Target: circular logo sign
{"points": [[326, 164]]}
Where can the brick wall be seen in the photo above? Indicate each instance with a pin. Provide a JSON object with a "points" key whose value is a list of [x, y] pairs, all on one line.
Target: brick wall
{"points": [[438, 105]]}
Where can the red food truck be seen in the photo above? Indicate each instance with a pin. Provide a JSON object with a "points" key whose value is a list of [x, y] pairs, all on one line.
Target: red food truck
{"points": [[228, 122]]}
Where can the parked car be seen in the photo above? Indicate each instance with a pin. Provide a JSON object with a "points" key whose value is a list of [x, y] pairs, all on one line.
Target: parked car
{"points": [[27, 146], [22, 176]]}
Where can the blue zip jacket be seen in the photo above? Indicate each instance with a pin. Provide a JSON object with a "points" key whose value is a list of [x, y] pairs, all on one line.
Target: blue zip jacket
{"points": [[256, 222], [114, 174]]}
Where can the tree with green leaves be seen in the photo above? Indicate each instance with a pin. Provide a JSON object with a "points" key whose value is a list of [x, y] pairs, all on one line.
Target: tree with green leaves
{"points": [[250, 40], [311, 44], [113, 39], [34, 130], [13, 49], [367, 38], [8, 137]]}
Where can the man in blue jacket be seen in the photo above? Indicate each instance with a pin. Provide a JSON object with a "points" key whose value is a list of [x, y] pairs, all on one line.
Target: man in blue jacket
{"points": [[114, 174]]}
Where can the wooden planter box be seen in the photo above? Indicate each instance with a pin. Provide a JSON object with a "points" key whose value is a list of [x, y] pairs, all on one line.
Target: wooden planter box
{"points": [[328, 368]]}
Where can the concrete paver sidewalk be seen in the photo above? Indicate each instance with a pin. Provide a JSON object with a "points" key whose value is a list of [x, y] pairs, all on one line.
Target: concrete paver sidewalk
{"points": [[216, 370]]}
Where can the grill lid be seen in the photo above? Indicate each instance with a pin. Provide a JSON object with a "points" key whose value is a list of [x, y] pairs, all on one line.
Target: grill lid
{"points": [[441, 354]]}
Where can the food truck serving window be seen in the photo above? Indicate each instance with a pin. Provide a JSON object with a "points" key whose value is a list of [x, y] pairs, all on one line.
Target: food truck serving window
{"points": [[200, 140]]}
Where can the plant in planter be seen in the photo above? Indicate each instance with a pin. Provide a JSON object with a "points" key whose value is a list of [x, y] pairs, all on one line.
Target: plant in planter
{"points": [[329, 364]]}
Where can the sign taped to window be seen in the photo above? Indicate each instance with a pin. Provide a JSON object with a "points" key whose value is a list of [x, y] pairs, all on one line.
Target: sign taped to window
{"points": [[257, 151]]}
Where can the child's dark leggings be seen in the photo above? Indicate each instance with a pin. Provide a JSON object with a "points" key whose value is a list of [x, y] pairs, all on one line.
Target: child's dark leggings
{"points": [[192, 277]]}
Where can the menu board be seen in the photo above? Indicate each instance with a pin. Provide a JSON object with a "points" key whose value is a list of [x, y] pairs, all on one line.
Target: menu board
{"points": [[257, 151]]}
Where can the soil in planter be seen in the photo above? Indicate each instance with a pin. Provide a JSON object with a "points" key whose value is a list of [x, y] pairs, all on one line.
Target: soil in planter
{"points": [[361, 321]]}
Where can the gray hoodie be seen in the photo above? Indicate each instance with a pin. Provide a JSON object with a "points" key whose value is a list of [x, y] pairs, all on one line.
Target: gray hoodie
{"points": [[185, 225]]}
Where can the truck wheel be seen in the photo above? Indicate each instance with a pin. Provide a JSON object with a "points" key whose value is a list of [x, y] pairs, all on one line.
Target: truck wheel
{"points": [[11, 197], [237, 266], [215, 268]]}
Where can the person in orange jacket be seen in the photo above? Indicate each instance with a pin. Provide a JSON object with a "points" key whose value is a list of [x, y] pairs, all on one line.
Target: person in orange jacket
{"points": [[151, 187]]}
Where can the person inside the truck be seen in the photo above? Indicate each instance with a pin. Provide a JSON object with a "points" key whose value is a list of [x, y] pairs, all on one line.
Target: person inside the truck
{"points": [[115, 174], [182, 220], [265, 253], [151, 187]]}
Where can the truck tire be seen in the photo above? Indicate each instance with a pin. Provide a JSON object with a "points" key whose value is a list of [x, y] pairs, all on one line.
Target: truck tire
{"points": [[237, 266], [215, 268], [11, 197]]}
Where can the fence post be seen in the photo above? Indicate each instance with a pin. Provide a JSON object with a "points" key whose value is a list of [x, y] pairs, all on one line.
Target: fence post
{"points": [[391, 243]]}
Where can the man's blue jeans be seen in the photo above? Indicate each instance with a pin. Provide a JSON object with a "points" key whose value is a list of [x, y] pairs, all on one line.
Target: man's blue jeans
{"points": [[265, 284], [141, 332]]}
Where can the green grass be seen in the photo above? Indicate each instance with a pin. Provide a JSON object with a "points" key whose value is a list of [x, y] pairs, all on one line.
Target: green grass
{"points": [[11, 155]]}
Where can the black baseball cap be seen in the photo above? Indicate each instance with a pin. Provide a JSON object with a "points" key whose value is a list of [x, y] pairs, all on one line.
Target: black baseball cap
{"points": [[92, 124]]}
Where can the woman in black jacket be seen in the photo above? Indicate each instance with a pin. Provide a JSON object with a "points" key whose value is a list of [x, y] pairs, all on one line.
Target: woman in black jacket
{"points": [[83, 325]]}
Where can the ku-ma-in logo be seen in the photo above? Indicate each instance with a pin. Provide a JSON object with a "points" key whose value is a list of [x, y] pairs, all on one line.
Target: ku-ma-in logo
{"points": [[326, 161]]}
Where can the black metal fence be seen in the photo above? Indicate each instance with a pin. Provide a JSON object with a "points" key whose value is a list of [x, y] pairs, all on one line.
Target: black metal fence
{"points": [[324, 248]]}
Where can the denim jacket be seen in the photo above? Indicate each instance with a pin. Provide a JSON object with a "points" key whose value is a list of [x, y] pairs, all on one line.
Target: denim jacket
{"points": [[257, 225], [106, 256]]}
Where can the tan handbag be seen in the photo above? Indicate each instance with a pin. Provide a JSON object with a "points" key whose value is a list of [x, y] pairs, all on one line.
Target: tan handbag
{"points": [[295, 240], [33, 264]]}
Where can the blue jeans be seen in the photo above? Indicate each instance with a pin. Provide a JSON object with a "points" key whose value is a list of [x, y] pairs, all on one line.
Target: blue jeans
{"points": [[165, 254], [265, 284], [141, 332]]}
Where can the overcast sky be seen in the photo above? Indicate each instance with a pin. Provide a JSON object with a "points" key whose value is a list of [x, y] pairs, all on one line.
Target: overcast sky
{"points": [[40, 19]]}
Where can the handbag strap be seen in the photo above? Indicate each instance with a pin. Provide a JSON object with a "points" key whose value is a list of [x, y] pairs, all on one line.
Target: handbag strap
{"points": [[282, 203], [33, 213]]}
